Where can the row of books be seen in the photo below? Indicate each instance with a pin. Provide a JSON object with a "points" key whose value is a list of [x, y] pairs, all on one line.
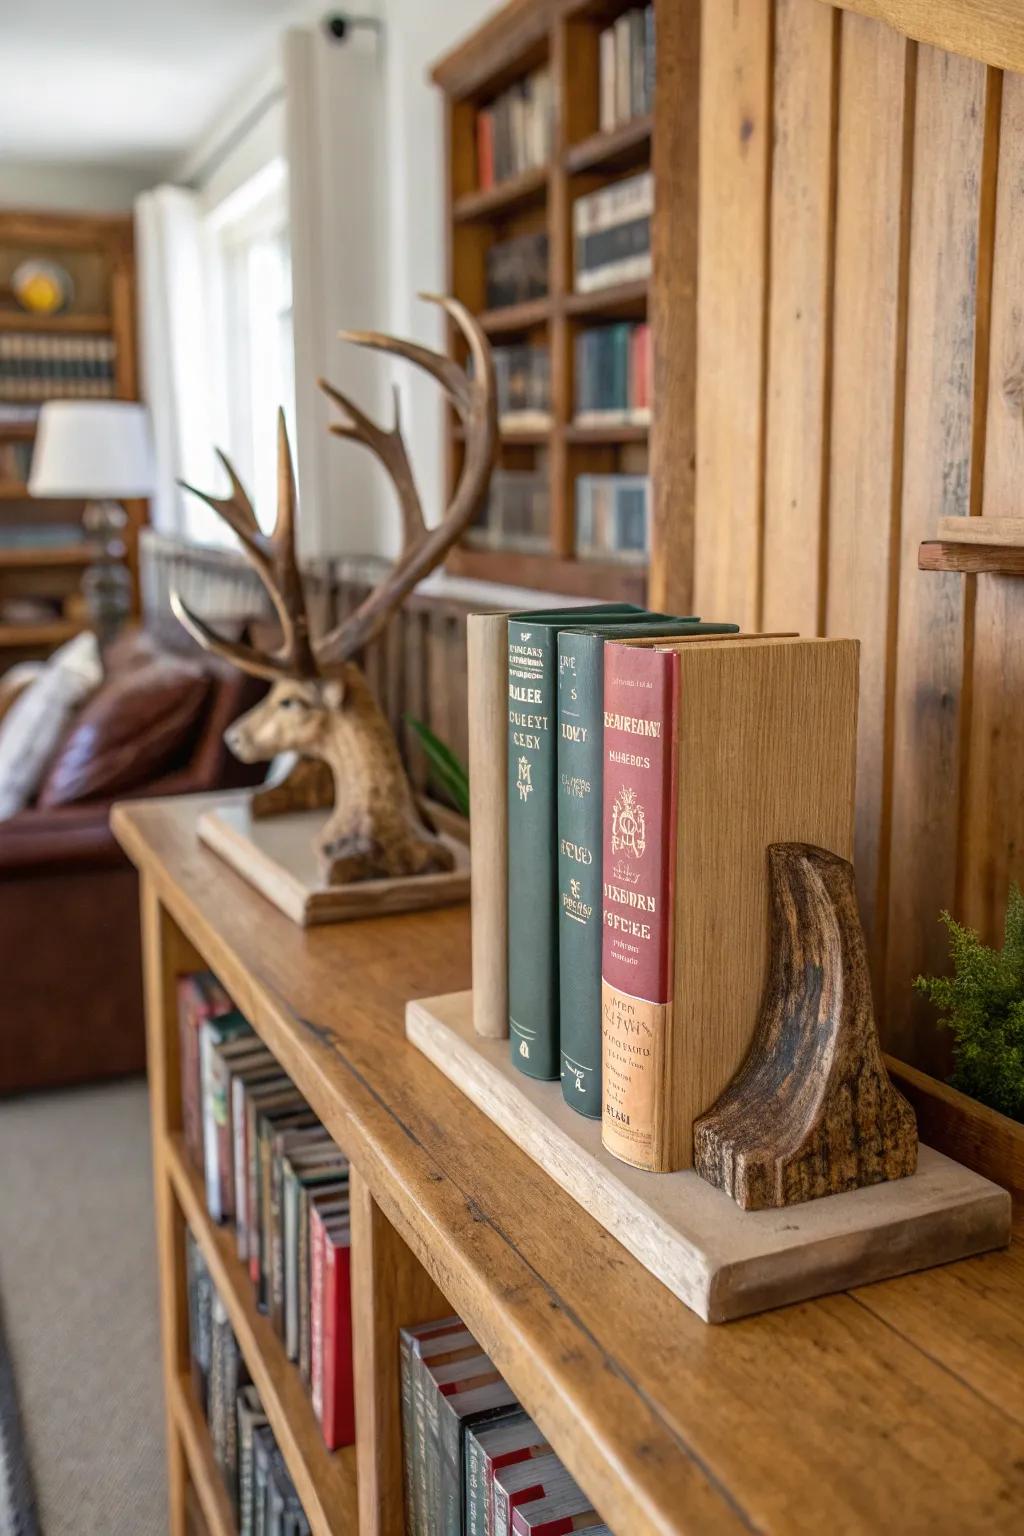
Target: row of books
{"points": [[613, 374], [259, 1484], [474, 1462], [613, 517], [523, 375], [626, 55], [612, 234], [15, 460], [38, 367], [272, 1170], [18, 415], [517, 512], [513, 133], [516, 270]]}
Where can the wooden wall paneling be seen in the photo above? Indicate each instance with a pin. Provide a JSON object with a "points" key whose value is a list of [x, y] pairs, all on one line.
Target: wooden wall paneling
{"points": [[673, 307], [872, 206], [390, 1290], [949, 144], [992, 845], [990, 30], [799, 330], [735, 144]]}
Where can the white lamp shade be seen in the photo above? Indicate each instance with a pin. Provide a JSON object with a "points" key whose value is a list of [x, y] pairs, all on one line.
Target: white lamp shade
{"points": [[92, 448]]}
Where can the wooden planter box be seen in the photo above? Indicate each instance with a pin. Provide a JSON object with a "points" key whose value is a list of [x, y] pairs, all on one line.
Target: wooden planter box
{"points": [[979, 1137]]}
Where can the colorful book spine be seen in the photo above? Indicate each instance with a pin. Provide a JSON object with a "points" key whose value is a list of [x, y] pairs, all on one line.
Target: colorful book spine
{"points": [[200, 997], [316, 1310], [640, 689], [214, 1077], [339, 1413]]}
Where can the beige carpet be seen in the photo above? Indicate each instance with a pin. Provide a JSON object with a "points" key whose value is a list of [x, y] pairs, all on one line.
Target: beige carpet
{"points": [[78, 1282]]}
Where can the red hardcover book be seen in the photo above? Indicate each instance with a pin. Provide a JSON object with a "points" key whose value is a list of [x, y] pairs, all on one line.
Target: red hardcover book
{"points": [[200, 997], [640, 688], [485, 150], [560, 1507], [338, 1415]]}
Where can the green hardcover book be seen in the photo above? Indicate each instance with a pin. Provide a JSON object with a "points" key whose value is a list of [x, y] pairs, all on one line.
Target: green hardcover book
{"points": [[533, 828], [580, 773]]}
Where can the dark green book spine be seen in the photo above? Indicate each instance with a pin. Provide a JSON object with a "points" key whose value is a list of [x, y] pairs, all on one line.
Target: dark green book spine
{"points": [[580, 746], [532, 828]]}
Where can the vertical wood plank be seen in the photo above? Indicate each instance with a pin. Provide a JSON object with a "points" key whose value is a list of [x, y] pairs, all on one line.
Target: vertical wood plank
{"points": [[166, 953], [993, 824], [390, 1289], [799, 334], [949, 141], [872, 203], [673, 307], [735, 145]]}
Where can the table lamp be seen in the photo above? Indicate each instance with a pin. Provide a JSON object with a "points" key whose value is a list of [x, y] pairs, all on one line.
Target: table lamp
{"points": [[100, 450]]}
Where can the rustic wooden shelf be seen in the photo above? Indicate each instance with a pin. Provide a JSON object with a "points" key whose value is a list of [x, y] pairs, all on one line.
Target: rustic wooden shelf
{"points": [[616, 149], [326, 1480], [971, 559], [552, 573], [670, 1426], [25, 637], [203, 1469], [515, 317], [14, 490], [19, 557], [70, 325], [22, 430], [623, 300], [516, 192], [610, 432]]}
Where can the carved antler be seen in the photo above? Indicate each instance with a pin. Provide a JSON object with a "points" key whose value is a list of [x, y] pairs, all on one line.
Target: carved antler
{"points": [[273, 557], [475, 398]]}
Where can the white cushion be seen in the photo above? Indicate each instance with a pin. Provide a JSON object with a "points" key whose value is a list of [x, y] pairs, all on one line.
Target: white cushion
{"points": [[35, 722]]}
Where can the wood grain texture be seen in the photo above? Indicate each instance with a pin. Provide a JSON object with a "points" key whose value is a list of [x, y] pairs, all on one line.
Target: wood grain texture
{"points": [[812, 1111], [390, 1290], [990, 30], [670, 1426], [735, 143], [971, 557], [992, 850], [938, 424], [487, 644], [799, 327], [721, 1262], [866, 449], [982, 530], [970, 1132], [204, 1475]]}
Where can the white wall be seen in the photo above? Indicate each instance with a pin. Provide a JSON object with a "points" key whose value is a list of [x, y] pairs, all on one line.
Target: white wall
{"points": [[72, 188]]}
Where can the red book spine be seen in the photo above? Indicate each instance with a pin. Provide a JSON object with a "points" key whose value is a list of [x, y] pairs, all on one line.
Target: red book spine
{"points": [[339, 1409], [640, 688], [485, 150], [316, 1311], [189, 1019], [562, 1525]]}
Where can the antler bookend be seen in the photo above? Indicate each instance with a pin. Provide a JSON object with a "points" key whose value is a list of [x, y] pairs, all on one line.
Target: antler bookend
{"points": [[812, 1110], [319, 704]]}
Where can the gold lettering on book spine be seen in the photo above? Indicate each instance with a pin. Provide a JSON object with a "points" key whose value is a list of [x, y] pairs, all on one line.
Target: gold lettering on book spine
{"points": [[634, 1037]]}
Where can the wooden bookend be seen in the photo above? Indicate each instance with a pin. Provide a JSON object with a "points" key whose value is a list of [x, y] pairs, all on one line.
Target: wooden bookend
{"points": [[812, 1111]]}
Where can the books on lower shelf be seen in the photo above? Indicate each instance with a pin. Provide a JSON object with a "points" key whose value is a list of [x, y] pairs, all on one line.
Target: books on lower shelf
{"points": [[473, 1460], [516, 270], [613, 517], [612, 234], [513, 133], [613, 375], [626, 59], [273, 1171], [258, 1482], [53, 367], [523, 376], [517, 512]]}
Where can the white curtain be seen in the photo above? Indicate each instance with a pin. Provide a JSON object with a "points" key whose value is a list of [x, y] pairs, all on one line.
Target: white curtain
{"points": [[174, 357]]}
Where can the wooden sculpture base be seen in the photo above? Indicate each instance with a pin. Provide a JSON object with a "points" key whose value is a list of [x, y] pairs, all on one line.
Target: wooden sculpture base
{"points": [[278, 856], [721, 1261]]}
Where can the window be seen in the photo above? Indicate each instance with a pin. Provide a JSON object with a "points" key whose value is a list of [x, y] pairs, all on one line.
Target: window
{"points": [[251, 290]]}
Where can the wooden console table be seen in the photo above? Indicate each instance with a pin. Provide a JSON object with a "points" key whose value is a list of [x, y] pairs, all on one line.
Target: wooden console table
{"points": [[899, 1406]]}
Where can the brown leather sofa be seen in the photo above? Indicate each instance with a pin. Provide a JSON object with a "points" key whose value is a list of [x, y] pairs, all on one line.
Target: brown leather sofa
{"points": [[71, 990]]}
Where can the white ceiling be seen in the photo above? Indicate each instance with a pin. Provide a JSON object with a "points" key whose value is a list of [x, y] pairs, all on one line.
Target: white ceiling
{"points": [[128, 82]]}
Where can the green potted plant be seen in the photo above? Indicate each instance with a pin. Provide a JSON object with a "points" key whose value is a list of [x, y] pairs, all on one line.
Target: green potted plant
{"points": [[982, 1003]]}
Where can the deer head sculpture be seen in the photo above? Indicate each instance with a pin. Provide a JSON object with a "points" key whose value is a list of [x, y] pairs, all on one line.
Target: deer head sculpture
{"points": [[319, 704]]}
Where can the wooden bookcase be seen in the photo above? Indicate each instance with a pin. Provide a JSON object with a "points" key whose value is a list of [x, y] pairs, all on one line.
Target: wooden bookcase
{"points": [[97, 251], [670, 1425], [563, 36]]}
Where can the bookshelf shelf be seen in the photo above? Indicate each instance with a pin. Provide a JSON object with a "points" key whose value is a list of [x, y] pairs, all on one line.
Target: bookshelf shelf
{"points": [[34, 556], [971, 559], [617, 149], [612, 432], [515, 317], [37, 637], [627, 301], [22, 431], [198, 1447], [551, 573], [517, 192], [56, 325], [325, 1479]]}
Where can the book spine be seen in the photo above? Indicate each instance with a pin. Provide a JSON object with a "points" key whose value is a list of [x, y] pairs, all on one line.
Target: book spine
{"points": [[450, 1469], [640, 709], [290, 1249], [476, 1509], [339, 1400], [405, 1355], [241, 1169], [316, 1311], [580, 769], [532, 829], [192, 1120], [606, 47], [207, 1058], [431, 1453], [420, 1388], [305, 1288], [276, 1277], [487, 664]]}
